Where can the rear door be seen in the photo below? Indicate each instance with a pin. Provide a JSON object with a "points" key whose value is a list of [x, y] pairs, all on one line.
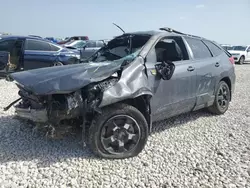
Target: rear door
{"points": [[38, 54], [208, 68]]}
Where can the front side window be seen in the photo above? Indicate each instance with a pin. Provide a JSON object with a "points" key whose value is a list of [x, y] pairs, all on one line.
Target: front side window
{"points": [[199, 49], [164, 51], [79, 44], [214, 49], [36, 45]]}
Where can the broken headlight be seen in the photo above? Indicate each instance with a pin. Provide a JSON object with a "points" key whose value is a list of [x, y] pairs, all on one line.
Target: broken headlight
{"points": [[94, 93]]}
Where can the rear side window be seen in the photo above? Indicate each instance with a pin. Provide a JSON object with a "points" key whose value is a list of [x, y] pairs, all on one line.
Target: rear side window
{"points": [[198, 48], [214, 49], [37, 45]]}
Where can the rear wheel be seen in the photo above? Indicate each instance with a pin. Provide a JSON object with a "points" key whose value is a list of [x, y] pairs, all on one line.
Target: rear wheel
{"points": [[222, 99], [241, 60], [57, 64], [121, 131]]}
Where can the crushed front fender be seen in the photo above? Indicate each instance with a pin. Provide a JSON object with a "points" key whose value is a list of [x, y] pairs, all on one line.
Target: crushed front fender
{"points": [[132, 83]]}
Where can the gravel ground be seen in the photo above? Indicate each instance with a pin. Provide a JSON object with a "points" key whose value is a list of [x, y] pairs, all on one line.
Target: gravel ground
{"points": [[194, 150]]}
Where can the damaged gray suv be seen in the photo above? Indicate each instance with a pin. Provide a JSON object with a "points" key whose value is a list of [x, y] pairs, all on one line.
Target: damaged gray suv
{"points": [[136, 79]]}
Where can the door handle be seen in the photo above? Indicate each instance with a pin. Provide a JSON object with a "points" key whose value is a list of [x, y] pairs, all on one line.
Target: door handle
{"points": [[217, 64], [190, 68]]}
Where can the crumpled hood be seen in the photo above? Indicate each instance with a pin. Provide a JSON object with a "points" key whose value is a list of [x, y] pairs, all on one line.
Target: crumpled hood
{"points": [[64, 79]]}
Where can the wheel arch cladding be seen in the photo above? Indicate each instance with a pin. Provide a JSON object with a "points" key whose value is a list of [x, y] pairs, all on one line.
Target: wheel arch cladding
{"points": [[142, 103], [132, 84], [228, 82]]}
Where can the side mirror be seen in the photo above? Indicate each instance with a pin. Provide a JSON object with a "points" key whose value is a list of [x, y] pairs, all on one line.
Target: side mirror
{"points": [[165, 70]]}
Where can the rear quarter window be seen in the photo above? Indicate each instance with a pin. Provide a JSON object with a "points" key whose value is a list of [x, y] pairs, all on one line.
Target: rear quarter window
{"points": [[199, 49], [216, 51], [54, 48]]}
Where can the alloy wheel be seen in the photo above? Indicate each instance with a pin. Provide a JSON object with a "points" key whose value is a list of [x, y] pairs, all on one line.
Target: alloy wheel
{"points": [[120, 134], [223, 96]]}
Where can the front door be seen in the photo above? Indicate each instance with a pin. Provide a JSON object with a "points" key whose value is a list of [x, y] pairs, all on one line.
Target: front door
{"points": [[174, 96]]}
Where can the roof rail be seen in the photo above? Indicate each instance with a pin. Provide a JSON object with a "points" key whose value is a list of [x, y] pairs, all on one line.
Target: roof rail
{"points": [[170, 30]]}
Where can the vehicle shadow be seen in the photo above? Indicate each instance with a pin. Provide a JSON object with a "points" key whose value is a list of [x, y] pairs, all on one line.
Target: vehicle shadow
{"points": [[179, 120], [20, 143]]}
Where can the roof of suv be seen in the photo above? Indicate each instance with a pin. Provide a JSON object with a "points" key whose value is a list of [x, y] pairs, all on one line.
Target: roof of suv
{"points": [[154, 32]]}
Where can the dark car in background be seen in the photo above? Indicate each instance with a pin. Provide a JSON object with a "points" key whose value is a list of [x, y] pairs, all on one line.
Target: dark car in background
{"points": [[27, 52], [73, 38], [136, 79]]}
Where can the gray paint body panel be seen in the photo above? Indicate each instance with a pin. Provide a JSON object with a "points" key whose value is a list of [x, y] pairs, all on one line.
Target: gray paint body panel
{"points": [[185, 91]]}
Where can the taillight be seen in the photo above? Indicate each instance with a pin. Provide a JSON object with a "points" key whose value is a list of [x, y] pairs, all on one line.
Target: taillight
{"points": [[231, 59]]}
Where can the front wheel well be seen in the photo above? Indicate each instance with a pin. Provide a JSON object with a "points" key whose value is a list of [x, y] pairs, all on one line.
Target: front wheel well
{"points": [[228, 82], [142, 103]]}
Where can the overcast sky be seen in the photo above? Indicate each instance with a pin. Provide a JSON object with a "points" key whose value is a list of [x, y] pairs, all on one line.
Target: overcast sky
{"points": [[225, 21]]}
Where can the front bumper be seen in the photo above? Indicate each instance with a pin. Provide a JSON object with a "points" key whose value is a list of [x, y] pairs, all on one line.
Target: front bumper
{"points": [[35, 115]]}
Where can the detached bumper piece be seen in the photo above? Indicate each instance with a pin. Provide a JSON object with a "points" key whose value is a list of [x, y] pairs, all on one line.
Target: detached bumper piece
{"points": [[35, 115]]}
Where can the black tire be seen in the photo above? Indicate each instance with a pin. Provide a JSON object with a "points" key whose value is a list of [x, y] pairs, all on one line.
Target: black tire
{"points": [[242, 60], [222, 99], [101, 123], [57, 64]]}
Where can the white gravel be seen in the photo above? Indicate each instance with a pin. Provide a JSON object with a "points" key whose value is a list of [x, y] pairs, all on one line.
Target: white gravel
{"points": [[195, 150]]}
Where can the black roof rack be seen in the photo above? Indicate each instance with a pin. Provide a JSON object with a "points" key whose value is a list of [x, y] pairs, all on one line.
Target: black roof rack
{"points": [[170, 30]]}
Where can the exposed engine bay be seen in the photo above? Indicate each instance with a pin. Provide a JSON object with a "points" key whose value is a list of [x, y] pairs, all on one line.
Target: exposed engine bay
{"points": [[55, 111]]}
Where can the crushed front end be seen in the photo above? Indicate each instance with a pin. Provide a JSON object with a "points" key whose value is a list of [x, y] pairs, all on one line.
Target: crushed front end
{"points": [[61, 112]]}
